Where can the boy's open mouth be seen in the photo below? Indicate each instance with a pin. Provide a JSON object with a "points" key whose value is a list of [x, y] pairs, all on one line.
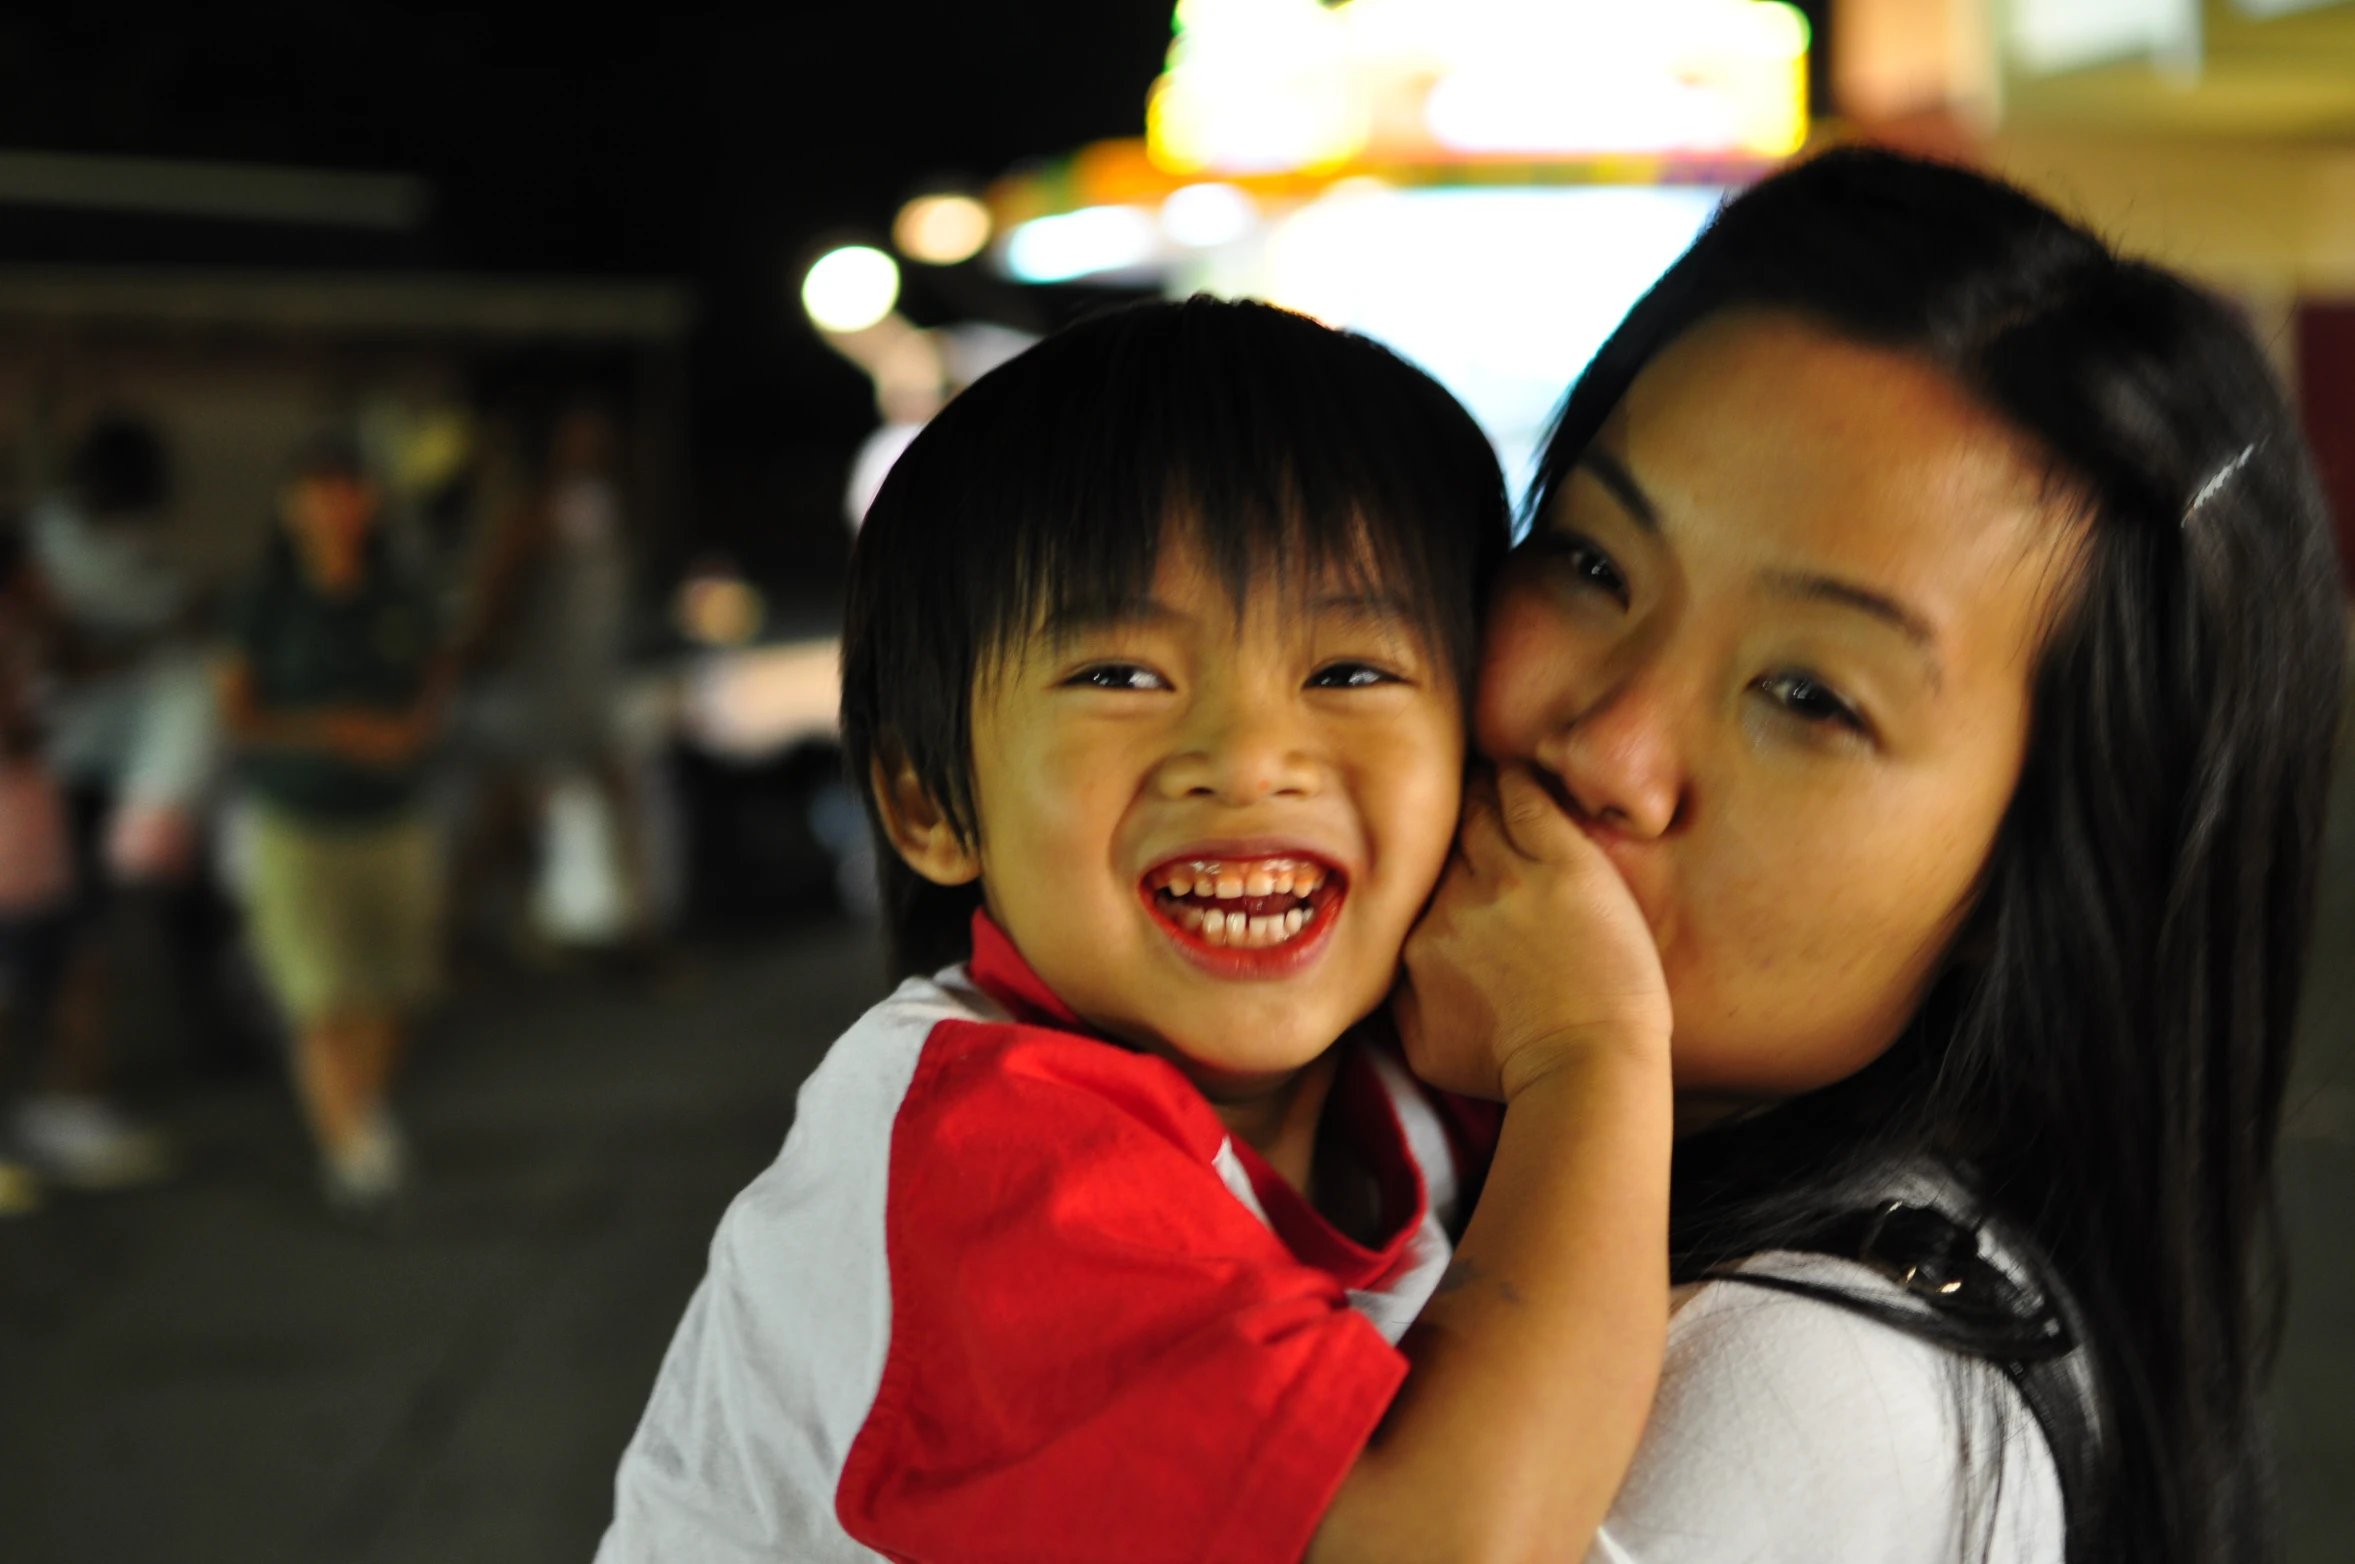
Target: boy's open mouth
{"points": [[1271, 904]]}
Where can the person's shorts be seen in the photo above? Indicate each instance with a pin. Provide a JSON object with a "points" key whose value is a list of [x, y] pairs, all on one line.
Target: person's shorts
{"points": [[345, 916], [34, 949]]}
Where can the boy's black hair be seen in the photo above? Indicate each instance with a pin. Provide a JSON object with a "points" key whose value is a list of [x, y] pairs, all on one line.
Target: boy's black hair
{"points": [[1044, 493]]}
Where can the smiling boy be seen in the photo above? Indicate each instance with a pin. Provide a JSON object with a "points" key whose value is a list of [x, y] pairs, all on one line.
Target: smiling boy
{"points": [[1099, 1243]]}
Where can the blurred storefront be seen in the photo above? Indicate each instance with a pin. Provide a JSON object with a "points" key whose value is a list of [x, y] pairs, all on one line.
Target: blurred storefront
{"points": [[237, 368], [2217, 137], [1487, 184], [241, 308]]}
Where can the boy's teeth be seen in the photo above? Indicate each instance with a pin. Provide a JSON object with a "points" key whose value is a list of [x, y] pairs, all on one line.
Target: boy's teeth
{"points": [[1196, 888], [1224, 882]]}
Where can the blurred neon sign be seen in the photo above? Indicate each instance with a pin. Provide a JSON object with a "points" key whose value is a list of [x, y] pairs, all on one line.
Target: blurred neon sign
{"points": [[1298, 86]]}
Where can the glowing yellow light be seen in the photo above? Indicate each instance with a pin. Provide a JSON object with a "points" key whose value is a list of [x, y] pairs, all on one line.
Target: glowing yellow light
{"points": [[1256, 86], [851, 288], [941, 230], [1264, 86], [719, 610]]}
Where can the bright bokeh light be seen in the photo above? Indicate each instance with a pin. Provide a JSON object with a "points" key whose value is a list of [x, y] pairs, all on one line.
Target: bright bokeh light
{"points": [[2068, 35], [1257, 86], [851, 288], [1088, 242], [1262, 86], [1198, 216], [1503, 295], [941, 230], [718, 610]]}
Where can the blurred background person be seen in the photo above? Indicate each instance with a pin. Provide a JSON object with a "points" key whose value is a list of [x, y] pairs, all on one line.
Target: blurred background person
{"points": [[333, 686], [110, 658], [36, 863], [545, 632]]}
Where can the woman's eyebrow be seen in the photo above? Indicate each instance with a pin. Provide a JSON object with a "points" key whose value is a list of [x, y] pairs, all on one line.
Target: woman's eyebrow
{"points": [[1847, 594], [1612, 474]]}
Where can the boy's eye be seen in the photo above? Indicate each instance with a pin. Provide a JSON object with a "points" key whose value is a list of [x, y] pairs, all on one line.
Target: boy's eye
{"points": [[1810, 700], [1350, 676], [1118, 676]]}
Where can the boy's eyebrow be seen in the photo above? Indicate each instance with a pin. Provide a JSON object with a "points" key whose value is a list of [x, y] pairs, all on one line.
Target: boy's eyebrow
{"points": [[1068, 622], [1376, 605]]}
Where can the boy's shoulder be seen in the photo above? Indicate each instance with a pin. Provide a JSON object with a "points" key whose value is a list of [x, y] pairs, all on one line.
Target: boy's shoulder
{"points": [[945, 1069]]}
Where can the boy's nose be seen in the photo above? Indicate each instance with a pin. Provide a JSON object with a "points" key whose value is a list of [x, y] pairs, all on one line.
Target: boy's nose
{"points": [[1241, 755]]}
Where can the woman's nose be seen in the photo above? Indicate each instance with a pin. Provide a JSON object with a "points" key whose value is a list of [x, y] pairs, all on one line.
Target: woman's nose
{"points": [[1619, 760], [1240, 752]]}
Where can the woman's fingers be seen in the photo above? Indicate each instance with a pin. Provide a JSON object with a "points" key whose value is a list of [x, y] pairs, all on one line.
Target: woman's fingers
{"points": [[1480, 834], [1533, 823], [1510, 816]]}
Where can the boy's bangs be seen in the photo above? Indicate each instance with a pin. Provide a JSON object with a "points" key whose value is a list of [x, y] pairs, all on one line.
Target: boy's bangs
{"points": [[1291, 458], [1255, 544]]}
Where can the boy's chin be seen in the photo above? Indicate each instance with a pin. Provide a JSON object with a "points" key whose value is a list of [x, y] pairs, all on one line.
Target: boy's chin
{"points": [[1226, 1073]]}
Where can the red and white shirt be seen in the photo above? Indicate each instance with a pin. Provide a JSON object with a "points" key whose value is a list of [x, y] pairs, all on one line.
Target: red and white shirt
{"points": [[1012, 1293]]}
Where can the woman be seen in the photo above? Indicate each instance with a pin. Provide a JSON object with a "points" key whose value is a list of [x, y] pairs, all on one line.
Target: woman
{"points": [[1933, 618], [333, 687]]}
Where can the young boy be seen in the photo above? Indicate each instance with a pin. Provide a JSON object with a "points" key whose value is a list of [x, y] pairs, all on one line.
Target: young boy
{"points": [[1097, 1244]]}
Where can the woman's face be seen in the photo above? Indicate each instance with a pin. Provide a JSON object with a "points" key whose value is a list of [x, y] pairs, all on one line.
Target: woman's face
{"points": [[1774, 643]]}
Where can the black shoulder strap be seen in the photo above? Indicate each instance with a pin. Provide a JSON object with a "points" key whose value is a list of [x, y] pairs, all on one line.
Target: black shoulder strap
{"points": [[1961, 1300]]}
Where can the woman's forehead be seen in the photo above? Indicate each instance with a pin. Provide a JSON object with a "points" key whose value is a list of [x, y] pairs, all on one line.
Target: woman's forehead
{"points": [[1766, 442]]}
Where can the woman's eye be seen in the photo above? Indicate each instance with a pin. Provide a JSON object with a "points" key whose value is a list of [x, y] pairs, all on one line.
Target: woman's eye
{"points": [[1118, 676], [1350, 676], [1586, 564], [1810, 700]]}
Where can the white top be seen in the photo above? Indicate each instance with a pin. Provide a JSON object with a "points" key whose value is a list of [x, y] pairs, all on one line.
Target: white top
{"points": [[1791, 1430]]}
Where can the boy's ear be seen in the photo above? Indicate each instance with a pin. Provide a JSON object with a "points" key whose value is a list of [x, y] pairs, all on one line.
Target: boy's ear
{"points": [[919, 831]]}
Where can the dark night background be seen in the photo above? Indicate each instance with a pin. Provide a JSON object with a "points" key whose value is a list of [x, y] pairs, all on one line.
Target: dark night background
{"points": [[714, 144], [214, 1369]]}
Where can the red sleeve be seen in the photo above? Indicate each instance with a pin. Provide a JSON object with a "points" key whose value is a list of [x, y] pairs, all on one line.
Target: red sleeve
{"points": [[1097, 1352]]}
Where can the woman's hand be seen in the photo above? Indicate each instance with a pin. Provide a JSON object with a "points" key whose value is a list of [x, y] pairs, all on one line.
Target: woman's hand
{"points": [[1531, 952]]}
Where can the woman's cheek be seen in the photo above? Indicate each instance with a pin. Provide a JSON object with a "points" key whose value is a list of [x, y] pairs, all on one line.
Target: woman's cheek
{"points": [[1778, 970], [1847, 974]]}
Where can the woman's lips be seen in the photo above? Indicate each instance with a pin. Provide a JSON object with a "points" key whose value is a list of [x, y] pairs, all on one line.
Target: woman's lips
{"points": [[1259, 915]]}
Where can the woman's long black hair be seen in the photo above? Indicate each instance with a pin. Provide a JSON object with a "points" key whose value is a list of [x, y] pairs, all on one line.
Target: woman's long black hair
{"points": [[2102, 1060]]}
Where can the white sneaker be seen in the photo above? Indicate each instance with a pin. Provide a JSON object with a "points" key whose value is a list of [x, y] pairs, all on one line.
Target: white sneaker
{"points": [[88, 1143], [366, 1172]]}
